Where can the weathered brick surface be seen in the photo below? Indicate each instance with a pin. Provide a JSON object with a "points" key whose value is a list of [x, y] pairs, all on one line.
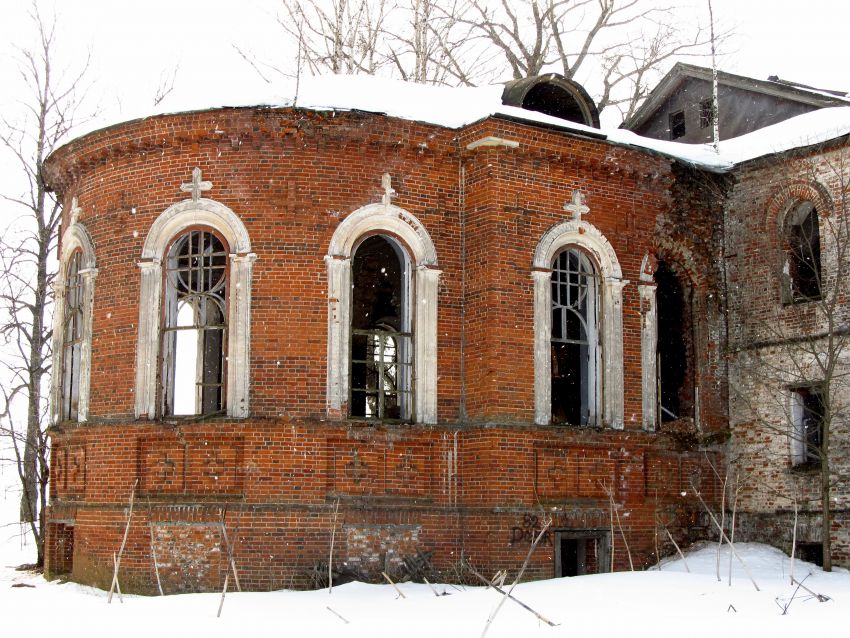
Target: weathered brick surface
{"points": [[465, 488]]}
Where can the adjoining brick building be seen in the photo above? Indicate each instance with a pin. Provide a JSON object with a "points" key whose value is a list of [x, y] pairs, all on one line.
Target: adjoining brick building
{"points": [[427, 335]]}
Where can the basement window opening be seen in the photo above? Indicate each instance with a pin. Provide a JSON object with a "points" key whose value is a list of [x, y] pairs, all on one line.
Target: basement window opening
{"points": [[581, 552]]}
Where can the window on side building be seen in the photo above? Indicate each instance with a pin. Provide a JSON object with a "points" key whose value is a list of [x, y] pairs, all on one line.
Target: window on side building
{"points": [[677, 125], [381, 333], [574, 339], [194, 333], [802, 267], [807, 417]]}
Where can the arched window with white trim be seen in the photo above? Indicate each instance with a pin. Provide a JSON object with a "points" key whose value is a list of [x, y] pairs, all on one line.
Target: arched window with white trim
{"points": [[399, 337], [193, 354], [578, 328], [72, 328]]}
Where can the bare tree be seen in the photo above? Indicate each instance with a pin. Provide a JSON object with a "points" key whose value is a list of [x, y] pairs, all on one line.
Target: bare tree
{"points": [[622, 42], [48, 106], [791, 360]]}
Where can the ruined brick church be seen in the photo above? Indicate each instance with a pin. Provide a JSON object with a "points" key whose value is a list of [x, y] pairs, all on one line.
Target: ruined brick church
{"points": [[425, 337]]}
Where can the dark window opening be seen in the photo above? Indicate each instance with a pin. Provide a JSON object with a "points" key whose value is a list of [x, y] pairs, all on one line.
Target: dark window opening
{"points": [[195, 325], [706, 112], [555, 101], [72, 338], [381, 341], [808, 416], [811, 553], [803, 263], [574, 339], [675, 326], [581, 552], [677, 125]]}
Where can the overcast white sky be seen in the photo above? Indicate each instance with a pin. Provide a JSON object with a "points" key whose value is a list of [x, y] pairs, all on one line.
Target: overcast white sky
{"points": [[132, 43]]}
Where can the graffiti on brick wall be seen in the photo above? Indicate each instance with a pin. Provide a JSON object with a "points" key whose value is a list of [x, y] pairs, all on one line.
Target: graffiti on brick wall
{"points": [[528, 529]]}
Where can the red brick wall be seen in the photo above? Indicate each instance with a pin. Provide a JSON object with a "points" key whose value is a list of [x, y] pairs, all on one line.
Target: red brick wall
{"points": [[291, 176]]}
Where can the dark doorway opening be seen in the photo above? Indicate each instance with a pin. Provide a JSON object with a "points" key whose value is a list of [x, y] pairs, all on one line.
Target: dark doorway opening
{"points": [[580, 552], [62, 558], [811, 553]]}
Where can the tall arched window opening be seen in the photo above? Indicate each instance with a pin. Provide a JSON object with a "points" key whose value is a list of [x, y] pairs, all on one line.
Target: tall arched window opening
{"points": [[674, 354], [194, 332], [72, 338], [574, 339], [381, 337], [802, 253]]}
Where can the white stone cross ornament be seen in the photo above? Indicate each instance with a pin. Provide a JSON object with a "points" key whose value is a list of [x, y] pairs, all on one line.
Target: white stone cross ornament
{"points": [[75, 211], [196, 185], [577, 206], [389, 191]]}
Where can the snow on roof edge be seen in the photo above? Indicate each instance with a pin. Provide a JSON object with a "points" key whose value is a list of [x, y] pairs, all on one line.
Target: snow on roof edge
{"points": [[456, 107]]}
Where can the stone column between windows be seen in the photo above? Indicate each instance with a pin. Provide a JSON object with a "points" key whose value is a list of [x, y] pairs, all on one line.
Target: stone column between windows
{"points": [[612, 352], [542, 346], [648, 350], [88, 276], [339, 279], [150, 289], [239, 335], [425, 337]]}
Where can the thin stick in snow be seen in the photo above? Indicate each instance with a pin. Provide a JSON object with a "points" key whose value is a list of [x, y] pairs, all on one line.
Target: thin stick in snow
{"points": [[731, 546], [518, 577], [229, 547], [516, 600], [223, 593], [331, 555], [337, 614], [610, 493], [676, 545], [794, 538], [153, 550], [390, 581], [117, 559], [431, 586]]}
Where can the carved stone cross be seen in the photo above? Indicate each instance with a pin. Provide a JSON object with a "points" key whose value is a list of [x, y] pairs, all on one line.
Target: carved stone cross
{"points": [[577, 206], [389, 191], [196, 185], [75, 211]]}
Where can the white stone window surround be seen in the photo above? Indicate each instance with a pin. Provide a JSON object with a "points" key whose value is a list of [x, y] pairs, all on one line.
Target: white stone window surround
{"points": [[75, 238], [171, 223], [378, 219], [648, 342], [584, 236]]}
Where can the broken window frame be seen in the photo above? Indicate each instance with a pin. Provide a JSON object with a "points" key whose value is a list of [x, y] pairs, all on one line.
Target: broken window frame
{"points": [[807, 422], [676, 122], [395, 373], [575, 293], [210, 397], [72, 337], [802, 267]]}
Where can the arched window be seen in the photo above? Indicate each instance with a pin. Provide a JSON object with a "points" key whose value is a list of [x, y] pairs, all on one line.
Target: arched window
{"points": [[72, 338], [193, 353], [382, 317], [578, 327], [194, 331], [72, 327], [575, 339], [381, 337], [802, 267]]}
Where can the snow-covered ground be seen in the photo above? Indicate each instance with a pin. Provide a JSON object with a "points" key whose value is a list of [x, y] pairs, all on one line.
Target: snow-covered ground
{"points": [[666, 602]]}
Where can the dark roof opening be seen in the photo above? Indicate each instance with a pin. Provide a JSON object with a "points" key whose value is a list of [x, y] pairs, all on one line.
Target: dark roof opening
{"points": [[553, 95]]}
